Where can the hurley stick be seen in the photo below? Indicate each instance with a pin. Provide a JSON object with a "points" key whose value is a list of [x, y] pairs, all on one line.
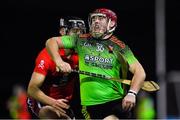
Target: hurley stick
{"points": [[149, 86]]}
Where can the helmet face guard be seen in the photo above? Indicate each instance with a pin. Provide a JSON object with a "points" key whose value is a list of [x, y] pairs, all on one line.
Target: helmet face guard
{"points": [[73, 23], [77, 24], [110, 15]]}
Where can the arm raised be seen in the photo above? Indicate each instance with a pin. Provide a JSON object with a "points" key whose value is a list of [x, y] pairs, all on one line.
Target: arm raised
{"points": [[52, 46]]}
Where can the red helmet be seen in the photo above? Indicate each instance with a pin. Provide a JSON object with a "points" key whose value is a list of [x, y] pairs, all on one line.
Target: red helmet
{"points": [[107, 13]]}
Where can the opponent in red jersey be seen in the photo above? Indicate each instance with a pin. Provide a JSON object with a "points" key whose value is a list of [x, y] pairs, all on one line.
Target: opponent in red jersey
{"points": [[50, 92]]}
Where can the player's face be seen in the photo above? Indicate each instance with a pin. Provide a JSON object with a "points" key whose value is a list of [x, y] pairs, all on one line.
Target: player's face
{"points": [[98, 25], [62, 31]]}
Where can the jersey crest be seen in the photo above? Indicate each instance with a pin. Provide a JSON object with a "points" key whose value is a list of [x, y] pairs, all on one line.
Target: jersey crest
{"points": [[41, 64]]}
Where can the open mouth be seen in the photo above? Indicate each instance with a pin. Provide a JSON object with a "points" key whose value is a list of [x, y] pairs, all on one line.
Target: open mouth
{"points": [[96, 28]]}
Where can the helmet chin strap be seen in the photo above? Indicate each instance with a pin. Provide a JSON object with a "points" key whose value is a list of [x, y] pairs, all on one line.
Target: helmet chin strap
{"points": [[110, 30]]}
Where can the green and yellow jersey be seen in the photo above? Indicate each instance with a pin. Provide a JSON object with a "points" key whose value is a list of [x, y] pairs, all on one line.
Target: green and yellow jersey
{"points": [[101, 57]]}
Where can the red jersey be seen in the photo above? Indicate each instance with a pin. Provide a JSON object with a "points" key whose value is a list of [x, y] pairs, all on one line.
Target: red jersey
{"points": [[56, 84]]}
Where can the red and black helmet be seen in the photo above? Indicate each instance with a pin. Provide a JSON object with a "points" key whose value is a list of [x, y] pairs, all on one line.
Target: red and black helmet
{"points": [[70, 22], [107, 13]]}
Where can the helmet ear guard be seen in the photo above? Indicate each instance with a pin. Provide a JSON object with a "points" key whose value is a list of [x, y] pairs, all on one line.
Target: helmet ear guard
{"points": [[111, 26]]}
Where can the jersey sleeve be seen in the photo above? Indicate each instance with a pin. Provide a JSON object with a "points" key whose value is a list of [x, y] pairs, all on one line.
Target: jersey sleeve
{"points": [[69, 41], [128, 54], [41, 65]]}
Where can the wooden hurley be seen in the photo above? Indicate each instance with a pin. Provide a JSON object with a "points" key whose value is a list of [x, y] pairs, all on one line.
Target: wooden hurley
{"points": [[149, 86]]}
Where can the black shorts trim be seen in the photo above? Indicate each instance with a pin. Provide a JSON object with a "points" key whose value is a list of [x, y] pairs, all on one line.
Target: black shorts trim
{"points": [[101, 111]]}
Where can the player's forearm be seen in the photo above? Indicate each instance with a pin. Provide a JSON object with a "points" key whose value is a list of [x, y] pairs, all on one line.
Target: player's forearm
{"points": [[138, 78], [38, 95], [137, 82], [52, 48]]}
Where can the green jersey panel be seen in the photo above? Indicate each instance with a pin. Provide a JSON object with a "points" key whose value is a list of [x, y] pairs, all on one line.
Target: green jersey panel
{"points": [[69, 41]]}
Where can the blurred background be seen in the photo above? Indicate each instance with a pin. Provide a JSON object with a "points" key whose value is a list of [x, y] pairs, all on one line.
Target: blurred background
{"points": [[149, 27]]}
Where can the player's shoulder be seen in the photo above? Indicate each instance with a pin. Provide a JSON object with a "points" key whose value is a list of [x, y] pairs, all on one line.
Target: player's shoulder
{"points": [[43, 54], [117, 41], [85, 35], [54, 38]]}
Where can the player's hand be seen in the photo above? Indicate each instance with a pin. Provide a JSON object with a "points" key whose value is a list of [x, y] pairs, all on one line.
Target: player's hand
{"points": [[62, 66], [60, 105], [63, 116], [128, 102], [60, 114]]}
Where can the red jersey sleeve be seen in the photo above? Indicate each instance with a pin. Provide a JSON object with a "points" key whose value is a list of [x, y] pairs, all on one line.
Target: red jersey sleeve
{"points": [[42, 63]]}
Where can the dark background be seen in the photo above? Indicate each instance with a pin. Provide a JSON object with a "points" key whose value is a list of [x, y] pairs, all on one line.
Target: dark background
{"points": [[26, 24]]}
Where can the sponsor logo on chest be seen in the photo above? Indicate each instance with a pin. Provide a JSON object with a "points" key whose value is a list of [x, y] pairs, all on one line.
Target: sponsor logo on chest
{"points": [[99, 47], [98, 59]]}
